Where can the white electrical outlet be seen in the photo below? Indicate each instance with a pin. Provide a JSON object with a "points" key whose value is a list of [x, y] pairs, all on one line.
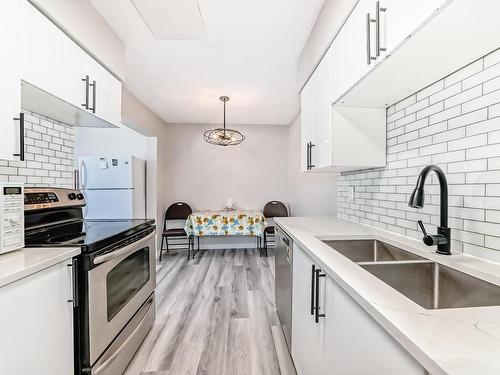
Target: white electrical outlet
{"points": [[350, 192]]}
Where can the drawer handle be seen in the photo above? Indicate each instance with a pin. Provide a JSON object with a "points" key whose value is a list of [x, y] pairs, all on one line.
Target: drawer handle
{"points": [[317, 315]]}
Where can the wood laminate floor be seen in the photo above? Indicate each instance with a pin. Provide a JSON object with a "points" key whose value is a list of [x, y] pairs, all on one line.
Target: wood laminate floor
{"points": [[215, 316]]}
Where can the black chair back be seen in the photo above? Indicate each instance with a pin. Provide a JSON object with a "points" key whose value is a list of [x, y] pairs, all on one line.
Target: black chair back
{"points": [[275, 209], [177, 211]]}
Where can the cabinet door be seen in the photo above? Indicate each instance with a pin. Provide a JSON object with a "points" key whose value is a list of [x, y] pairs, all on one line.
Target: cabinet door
{"points": [[306, 334], [351, 334], [403, 17], [50, 60], [109, 96], [349, 57], [322, 151], [105, 97], [10, 78], [36, 321], [306, 121]]}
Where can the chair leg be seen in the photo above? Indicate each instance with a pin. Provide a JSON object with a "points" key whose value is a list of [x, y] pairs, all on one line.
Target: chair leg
{"points": [[189, 247], [161, 246], [198, 247], [166, 242]]}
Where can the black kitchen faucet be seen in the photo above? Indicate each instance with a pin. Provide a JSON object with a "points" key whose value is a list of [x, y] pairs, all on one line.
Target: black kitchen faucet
{"points": [[443, 237]]}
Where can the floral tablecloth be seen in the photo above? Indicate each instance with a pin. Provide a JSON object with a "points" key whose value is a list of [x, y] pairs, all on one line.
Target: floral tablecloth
{"points": [[225, 223]]}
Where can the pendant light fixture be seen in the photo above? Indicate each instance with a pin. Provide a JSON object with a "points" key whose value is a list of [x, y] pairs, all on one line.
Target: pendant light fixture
{"points": [[224, 136]]}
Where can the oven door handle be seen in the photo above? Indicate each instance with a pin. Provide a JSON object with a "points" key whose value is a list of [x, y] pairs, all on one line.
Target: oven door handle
{"points": [[124, 250]]}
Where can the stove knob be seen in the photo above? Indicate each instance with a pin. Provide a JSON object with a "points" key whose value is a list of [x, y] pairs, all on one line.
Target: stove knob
{"points": [[72, 196], [80, 196]]}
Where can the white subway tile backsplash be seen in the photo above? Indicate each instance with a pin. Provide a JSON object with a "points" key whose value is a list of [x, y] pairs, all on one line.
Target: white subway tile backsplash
{"points": [[454, 123], [431, 89], [486, 177], [481, 77], [463, 97], [483, 152], [481, 102], [426, 112], [405, 103], [464, 73], [446, 93], [468, 142], [43, 138], [469, 118], [483, 127], [445, 115]]}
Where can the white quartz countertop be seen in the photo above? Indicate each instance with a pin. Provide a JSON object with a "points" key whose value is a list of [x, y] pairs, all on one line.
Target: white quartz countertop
{"points": [[444, 341], [24, 262]]}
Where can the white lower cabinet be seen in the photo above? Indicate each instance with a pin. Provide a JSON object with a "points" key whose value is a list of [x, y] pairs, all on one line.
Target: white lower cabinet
{"points": [[307, 336], [36, 323], [347, 340]]}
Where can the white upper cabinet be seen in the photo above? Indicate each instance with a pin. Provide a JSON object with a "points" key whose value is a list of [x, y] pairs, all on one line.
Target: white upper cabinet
{"points": [[50, 60], [307, 125], [403, 17], [322, 150], [10, 78], [353, 51], [338, 139], [78, 89], [316, 118]]}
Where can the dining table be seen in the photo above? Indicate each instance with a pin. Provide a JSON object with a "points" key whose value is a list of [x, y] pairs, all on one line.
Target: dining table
{"points": [[226, 223]]}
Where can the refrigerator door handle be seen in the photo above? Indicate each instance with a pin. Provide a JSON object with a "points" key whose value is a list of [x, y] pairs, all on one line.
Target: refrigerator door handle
{"points": [[82, 175]]}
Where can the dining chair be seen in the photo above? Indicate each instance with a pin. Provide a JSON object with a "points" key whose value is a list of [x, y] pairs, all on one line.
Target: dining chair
{"points": [[271, 210], [176, 211]]}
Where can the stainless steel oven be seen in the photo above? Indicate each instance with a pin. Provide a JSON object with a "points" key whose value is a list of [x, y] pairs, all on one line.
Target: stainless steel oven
{"points": [[114, 300], [120, 283]]}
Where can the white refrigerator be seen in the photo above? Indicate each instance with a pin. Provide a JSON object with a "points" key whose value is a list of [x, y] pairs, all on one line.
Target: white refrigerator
{"points": [[114, 186]]}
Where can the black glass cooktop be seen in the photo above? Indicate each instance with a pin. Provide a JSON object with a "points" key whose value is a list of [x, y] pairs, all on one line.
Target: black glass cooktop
{"points": [[90, 235]]}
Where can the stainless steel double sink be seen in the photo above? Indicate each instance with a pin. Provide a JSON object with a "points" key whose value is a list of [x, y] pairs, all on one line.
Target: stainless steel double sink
{"points": [[427, 283]]}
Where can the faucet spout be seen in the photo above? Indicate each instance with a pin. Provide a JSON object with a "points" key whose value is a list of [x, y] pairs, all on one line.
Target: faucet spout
{"points": [[417, 200]]}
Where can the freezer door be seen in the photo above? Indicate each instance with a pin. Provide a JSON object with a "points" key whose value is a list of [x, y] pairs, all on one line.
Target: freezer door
{"points": [[113, 204], [107, 172]]}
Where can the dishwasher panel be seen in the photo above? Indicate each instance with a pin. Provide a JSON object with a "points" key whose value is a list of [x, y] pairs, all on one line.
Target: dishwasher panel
{"points": [[283, 283]]}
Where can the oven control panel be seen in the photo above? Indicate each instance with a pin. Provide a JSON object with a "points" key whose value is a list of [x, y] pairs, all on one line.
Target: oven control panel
{"points": [[38, 198], [52, 198], [11, 217]]}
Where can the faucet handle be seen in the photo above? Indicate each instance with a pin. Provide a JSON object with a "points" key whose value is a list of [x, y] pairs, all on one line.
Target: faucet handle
{"points": [[428, 240], [422, 228]]}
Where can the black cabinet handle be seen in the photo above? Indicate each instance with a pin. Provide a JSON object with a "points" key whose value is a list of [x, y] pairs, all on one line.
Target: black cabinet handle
{"points": [[317, 315], [94, 93], [21, 136], [312, 288], [311, 165], [87, 91]]}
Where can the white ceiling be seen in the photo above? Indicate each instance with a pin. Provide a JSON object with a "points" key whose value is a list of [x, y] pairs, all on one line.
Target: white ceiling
{"points": [[250, 53]]}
